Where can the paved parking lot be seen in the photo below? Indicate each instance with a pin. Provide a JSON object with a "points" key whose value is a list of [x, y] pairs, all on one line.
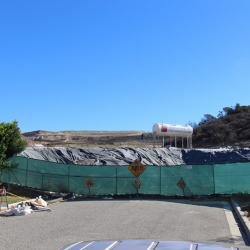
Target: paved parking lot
{"points": [[110, 219]]}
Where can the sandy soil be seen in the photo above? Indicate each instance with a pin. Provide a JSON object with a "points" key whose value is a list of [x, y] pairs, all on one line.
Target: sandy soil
{"points": [[107, 139]]}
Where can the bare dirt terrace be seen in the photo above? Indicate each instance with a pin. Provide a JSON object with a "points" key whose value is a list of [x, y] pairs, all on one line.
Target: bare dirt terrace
{"points": [[90, 139]]}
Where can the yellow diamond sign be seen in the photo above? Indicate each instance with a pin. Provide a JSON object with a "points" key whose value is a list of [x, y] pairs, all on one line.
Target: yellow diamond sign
{"points": [[181, 184], [89, 182], [136, 168]]}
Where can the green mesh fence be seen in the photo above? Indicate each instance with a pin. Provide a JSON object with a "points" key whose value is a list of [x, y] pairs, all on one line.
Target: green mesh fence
{"points": [[110, 180], [232, 178]]}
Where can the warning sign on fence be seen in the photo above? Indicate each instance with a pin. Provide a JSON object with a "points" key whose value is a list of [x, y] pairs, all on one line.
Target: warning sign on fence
{"points": [[89, 182], [181, 184], [136, 168]]}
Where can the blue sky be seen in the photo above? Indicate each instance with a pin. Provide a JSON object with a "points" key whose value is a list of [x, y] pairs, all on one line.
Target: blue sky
{"points": [[121, 65]]}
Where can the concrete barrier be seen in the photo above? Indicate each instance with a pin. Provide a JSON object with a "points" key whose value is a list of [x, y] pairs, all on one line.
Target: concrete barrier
{"points": [[243, 219]]}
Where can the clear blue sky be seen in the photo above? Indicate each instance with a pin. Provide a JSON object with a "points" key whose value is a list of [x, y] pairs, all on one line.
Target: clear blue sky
{"points": [[121, 64]]}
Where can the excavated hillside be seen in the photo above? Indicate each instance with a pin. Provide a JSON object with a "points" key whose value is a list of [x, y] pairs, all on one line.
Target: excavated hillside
{"points": [[121, 148], [116, 139], [230, 128], [225, 139], [89, 139]]}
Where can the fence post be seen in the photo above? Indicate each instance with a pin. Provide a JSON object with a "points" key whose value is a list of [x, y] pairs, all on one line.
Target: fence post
{"points": [[9, 179], [68, 176], [213, 179], [160, 179], [26, 172], [42, 181], [116, 179]]}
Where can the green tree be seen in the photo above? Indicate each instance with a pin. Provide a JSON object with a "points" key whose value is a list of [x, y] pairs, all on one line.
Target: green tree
{"points": [[206, 118], [220, 114], [222, 133], [228, 110], [11, 143], [240, 109]]}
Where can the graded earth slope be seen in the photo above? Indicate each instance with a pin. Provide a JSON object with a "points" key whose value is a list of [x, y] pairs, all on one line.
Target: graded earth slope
{"points": [[90, 139]]}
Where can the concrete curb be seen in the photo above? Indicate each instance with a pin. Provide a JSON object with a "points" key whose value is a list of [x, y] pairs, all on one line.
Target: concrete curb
{"points": [[233, 226], [243, 220]]}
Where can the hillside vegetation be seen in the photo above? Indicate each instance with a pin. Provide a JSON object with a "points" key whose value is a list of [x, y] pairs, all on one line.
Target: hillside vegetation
{"points": [[230, 128]]}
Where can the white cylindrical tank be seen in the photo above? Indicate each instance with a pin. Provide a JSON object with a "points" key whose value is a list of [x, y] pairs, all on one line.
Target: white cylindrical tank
{"points": [[172, 130]]}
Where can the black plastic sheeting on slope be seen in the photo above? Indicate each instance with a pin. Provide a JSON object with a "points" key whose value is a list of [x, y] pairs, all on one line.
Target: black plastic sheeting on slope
{"points": [[169, 156]]}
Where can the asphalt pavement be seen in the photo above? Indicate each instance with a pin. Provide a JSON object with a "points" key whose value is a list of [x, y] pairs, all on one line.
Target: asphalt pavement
{"points": [[120, 219]]}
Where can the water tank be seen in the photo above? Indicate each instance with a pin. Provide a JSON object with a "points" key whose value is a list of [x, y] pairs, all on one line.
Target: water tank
{"points": [[172, 130]]}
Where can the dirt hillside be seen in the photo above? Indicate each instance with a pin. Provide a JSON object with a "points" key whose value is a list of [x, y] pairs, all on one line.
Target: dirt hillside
{"points": [[108, 139]]}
